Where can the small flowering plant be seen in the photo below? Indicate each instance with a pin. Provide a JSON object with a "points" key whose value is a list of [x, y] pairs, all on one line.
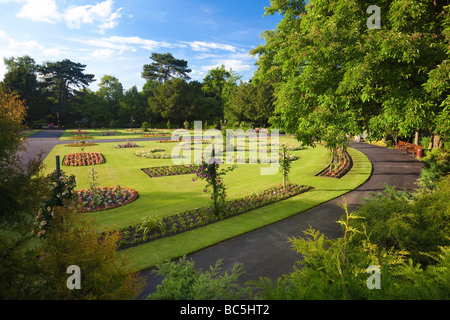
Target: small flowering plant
{"points": [[209, 171], [61, 194]]}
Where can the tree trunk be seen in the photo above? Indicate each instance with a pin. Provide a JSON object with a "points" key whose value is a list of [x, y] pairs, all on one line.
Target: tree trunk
{"points": [[416, 138], [436, 140], [284, 171]]}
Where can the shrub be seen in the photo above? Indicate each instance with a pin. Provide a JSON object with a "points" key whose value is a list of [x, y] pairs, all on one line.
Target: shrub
{"points": [[338, 269], [145, 126], [436, 165], [184, 282], [74, 240], [400, 221], [149, 224]]}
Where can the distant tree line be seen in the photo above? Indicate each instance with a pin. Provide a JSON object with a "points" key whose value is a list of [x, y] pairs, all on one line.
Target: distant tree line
{"points": [[59, 92]]}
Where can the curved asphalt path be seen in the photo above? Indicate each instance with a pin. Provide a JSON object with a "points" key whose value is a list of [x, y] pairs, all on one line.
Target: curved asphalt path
{"points": [[265, 252]]}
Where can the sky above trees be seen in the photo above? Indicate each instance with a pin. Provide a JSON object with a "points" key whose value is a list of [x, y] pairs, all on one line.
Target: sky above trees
{"points": [[117, 37]]}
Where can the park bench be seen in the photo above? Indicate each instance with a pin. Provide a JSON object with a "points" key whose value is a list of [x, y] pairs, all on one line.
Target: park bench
{"points": [[408, 148], [413, 148], [401, 145]]}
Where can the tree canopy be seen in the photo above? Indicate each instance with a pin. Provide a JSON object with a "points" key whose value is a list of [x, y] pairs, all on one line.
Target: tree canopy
{"points": [[334, 76], [165, 67]]}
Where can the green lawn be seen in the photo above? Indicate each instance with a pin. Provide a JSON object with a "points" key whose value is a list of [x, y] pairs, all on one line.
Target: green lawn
{"points": [[120, 133], [171, 195], [28, 133]]}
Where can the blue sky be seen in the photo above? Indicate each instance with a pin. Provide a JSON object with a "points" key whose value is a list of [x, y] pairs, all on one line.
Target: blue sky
{"points": [[117, 37]]}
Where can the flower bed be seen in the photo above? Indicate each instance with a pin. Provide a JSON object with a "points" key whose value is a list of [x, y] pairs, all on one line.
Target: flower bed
{"points": [[103, 198], [109, 133], [169, 141], [127, 145], [341, 169], [263, 160], [79, 132], [83, 159], [164, 171], [151, 154], [81, 144], [145, 231], [82, 137], [160, 135]]}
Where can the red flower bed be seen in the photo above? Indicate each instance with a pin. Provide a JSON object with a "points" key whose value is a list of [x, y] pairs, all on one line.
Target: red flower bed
{"points": [[83, 159]]}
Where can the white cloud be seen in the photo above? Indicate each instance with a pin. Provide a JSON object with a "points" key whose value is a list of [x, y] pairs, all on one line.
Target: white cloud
{"points": [[10, 47], [235, 65], [40, 10], [102, 14], [103, 53], [207, 46], [123, 44], [52, 52]]}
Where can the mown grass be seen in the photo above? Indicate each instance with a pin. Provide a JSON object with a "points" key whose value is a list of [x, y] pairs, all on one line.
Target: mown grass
{"points": [[171, 195], [96, 134]]}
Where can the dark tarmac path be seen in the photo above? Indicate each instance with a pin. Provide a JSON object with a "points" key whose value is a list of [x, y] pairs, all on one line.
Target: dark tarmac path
{"points": [[266, 253]]}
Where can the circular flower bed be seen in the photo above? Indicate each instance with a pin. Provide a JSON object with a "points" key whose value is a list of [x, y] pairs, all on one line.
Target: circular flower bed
{"points": [[83, 159], [104, 198]]}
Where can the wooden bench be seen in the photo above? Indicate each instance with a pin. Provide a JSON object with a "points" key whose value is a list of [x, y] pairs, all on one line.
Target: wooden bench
{"points": [[414, 149], [401, 145], [408, 147]]}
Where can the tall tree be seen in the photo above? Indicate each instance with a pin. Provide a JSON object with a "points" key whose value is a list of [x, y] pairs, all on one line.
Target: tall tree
{"points": [[65, 78], [165, 67], [251, 102], [111, 90], [334, 75], [21, 77], [133, 105]]}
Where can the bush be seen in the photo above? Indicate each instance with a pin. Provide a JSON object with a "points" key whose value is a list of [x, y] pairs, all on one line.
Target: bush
{"points": [[184, 282], [74, 240], [436, 165], [145, 126], [400, 221], [334, 269]]}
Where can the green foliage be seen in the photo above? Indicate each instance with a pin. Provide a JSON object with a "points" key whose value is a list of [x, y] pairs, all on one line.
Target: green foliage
{"points": [[165, 67], [145, 126], [75, 240], [417, 224], [209, 171], [182, 281], [333, 75], [334, 269], [436, 165], [149, 224], [285, 165], [61, 193]]}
